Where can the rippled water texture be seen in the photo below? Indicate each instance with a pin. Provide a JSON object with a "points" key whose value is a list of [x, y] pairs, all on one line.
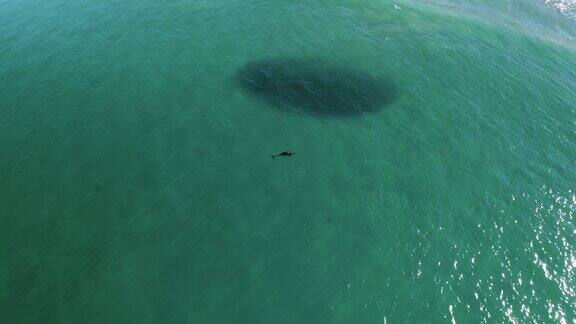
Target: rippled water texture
{"points": [[433, 180]]}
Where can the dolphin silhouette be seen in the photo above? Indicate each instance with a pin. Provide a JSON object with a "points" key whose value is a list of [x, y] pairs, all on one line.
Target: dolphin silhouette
{"points": [[285, 153]]}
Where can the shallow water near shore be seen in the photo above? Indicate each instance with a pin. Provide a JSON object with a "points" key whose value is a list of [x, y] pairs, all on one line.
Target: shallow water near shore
{"points": [[137, 184]]}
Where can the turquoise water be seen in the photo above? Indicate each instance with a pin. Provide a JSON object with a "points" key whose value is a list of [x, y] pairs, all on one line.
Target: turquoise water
{"points": [[137, 184]]}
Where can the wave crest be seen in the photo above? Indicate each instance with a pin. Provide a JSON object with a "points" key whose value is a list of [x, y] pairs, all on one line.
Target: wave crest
{"points": [[567, 7]]}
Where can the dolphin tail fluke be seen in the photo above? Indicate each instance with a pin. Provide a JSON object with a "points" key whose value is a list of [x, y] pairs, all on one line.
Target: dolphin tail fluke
{"points": [[273, 157]]}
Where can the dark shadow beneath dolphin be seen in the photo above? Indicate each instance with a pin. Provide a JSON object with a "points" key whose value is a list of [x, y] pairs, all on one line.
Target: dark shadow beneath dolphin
{"points": [[315, 87]]}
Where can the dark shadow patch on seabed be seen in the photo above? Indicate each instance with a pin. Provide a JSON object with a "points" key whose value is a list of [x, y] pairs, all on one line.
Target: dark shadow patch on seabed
{"points": [[315, 87]]}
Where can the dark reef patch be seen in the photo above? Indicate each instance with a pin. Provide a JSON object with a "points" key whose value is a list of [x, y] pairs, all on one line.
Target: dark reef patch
{"points": [[315, 87]]}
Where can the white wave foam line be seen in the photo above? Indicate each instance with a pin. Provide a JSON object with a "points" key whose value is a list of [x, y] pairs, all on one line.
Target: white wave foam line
{"points": [[567, 7]]}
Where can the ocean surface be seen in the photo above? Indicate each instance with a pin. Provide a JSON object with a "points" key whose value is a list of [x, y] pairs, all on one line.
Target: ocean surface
{"points": [[433, 181]]}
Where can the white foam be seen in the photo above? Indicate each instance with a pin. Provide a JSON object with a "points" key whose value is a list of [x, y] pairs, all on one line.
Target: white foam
{"points": [[567, 7]]}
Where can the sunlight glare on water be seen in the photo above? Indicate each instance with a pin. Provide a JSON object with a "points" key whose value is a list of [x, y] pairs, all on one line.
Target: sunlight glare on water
{"points": [[432, 182]]}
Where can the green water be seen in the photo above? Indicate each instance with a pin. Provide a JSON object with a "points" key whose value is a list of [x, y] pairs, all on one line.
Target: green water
{"points": [[136, 184]]}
